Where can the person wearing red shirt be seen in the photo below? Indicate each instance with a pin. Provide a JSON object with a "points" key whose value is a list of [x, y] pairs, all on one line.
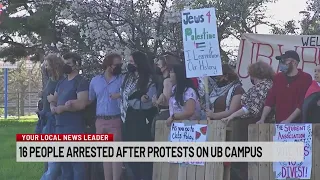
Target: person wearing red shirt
{"points": [[288, 90]]}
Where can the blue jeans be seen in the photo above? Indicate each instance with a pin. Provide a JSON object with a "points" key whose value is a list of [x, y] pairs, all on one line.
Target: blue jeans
{"points": [[53, 171], [72, 170]]}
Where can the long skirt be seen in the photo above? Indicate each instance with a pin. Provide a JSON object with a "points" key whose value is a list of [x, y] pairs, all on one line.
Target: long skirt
{"points": [[135, 128]]}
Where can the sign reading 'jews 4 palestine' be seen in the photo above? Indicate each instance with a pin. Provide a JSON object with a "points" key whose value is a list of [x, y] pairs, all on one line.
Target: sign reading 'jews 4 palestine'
{"points": [[200, 41]]}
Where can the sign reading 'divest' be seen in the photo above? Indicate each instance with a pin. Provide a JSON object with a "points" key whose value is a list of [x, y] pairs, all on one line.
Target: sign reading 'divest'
{"points": [[200, 41]]}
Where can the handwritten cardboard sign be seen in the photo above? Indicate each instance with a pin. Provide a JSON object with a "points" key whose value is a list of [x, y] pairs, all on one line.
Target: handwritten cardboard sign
{"points": [[180, 132], [200, 41], [294, 133]]}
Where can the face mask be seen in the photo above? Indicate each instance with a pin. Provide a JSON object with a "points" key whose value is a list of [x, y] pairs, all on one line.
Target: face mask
{"points": [[283, 68], [67, 69], [117, 70], [252, 81], [131, 68], [221, 81]]}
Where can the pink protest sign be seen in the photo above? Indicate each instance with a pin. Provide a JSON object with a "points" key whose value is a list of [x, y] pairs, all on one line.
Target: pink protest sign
{"points": [[294, 133]]}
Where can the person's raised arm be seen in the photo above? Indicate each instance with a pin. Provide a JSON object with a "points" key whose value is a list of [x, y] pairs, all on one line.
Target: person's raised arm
{"points": [[166, 94]]}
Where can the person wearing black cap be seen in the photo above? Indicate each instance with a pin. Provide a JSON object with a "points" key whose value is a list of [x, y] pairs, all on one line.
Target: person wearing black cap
{"points": [[288, 90]]}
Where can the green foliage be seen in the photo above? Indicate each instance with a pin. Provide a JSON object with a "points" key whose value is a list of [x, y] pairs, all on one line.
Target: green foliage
{"points": [[289, 28], [126, 26], [311, 23]]}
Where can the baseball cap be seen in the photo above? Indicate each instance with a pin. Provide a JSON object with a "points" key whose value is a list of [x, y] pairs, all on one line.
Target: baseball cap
{"points": [[289, 54]]}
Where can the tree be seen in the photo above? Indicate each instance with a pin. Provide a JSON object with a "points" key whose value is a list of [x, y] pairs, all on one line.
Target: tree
{"points": [[311, 24], [40, 26], [94, 28], [132, 25], [18, 86]]}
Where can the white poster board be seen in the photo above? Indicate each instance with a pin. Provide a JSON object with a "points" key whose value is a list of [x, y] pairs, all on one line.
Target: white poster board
{"points": [[294, 133], [200, 41], [263, 47], [180, 132]]}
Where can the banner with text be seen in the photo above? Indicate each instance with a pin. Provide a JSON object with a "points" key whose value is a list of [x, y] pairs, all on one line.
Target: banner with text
{"points": [[294, 133], [200, 41], [188, 133], [256, 47]]}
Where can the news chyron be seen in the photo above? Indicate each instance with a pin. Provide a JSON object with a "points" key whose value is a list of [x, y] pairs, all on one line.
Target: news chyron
{"points": [[102, 148]]}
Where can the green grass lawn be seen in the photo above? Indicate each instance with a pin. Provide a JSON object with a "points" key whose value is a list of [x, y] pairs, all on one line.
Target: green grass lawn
{"points": [[9, 168]]}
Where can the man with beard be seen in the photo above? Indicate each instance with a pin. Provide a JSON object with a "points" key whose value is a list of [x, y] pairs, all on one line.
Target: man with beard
{"points": [[68, 102], [105, 89], [288, 90]]}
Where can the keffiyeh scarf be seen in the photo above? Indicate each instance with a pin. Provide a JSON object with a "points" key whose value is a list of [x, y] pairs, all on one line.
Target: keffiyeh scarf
{"points": [[128, 88], [221, 91]]}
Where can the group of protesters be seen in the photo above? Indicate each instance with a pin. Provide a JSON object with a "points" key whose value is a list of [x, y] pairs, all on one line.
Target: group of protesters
{"points": [[129, 104]]}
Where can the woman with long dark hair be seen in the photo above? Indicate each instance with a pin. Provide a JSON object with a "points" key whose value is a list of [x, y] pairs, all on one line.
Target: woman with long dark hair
{"points": [[184, 102], [136, 92]]}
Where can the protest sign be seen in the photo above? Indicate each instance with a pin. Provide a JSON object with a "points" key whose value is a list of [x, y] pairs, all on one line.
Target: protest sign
{"points": [[180, 132], [263, 47], [294, 133], [200, 41]]}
